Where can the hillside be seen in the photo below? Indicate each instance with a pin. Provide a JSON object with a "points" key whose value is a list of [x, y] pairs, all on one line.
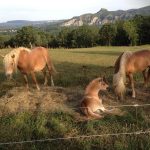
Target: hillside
{"points": [[101, 17], [104, 16], [20, 23]]}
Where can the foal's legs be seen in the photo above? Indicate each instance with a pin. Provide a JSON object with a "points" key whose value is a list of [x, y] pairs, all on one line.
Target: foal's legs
{"points": [[35, 81], [132, 84], [26, 81]]}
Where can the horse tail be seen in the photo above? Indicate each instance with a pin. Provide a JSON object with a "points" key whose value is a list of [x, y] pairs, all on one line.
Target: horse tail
{"points": [[53, 68], [119, 77], [50, 65]]}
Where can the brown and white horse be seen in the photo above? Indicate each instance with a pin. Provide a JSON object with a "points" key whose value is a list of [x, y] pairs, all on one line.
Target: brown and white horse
{"points": [[28, 62], [126, 65]]}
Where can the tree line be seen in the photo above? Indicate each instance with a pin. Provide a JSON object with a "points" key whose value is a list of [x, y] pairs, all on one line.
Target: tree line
{"points": [[121, 33]]}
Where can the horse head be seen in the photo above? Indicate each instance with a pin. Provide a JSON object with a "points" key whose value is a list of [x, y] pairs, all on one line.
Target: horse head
{"points": [[9, 65]]}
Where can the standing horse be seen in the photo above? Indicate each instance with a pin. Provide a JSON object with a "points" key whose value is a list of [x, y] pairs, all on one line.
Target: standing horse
{"points": [[28, 62], [127, 64]]}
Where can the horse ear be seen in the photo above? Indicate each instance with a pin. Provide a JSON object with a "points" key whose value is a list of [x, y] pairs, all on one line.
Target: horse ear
{"points": [[101, 79], [104, 79], [13, 56], [2, 55]]}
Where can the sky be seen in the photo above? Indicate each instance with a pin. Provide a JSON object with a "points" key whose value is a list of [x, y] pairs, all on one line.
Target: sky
{"points": [[60, 9]]}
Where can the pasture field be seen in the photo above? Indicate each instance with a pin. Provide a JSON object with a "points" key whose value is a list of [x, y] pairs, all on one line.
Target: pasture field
{"points": [[53, 112]]}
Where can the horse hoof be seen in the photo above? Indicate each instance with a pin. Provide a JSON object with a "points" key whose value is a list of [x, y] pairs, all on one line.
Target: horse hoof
{"points": [[38, 89]]}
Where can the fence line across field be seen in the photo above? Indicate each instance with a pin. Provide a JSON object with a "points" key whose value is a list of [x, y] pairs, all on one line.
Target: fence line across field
{"points": [[109, 106], [76, 137], [86, 136]]}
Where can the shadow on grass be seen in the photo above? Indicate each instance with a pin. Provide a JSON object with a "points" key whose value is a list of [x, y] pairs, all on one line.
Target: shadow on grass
{"points": [[109, 53], [6, 85], [71, 74]]}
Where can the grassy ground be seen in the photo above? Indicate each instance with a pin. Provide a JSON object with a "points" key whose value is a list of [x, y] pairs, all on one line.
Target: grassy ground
{"points": [[76, 67]]}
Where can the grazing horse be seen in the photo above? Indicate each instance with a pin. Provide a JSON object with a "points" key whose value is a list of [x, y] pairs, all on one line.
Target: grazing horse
{"points": [[28, 62], [127, 64]]}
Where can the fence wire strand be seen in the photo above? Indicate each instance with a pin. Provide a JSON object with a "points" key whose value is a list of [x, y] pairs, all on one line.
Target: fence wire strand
{"points": [[85, 136], [76, 137]]}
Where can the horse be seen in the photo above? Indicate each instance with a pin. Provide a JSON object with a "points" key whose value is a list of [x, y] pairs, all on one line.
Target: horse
{"points": [[91, 104], [28, 62], [127, 64]]}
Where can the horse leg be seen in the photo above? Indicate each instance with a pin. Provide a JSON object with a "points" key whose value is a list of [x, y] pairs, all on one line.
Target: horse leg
{"points": [[145, 77], [52, 81], [35, 81], [49, 70], [132, 84], [26, 81], [45, 77], [128, 81], [148, 75]]}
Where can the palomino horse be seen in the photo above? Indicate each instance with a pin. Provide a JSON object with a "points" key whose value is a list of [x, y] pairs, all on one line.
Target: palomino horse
{"points": [[127, 64], [28, 62]]}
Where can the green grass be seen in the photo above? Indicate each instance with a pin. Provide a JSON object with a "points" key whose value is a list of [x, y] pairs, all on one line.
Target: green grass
{"points": [[28, 126], [72, 73]]}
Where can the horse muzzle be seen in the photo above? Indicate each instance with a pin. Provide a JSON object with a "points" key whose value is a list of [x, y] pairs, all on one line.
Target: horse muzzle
{"points": [[9, 76]]}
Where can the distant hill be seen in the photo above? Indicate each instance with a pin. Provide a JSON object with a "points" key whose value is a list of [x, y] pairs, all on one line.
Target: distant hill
{"points": [[101, 17], [20, 23], [104, 16]]}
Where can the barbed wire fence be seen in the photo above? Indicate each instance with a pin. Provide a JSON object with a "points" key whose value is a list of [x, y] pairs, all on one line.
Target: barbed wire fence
{"points": [[139, 132], [77, 137]]}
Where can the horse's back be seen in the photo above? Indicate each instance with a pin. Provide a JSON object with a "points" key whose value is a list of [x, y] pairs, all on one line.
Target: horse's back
{"points": [[142, 53], [39, 51], [38, 58], [139, 61], [33, 61]]}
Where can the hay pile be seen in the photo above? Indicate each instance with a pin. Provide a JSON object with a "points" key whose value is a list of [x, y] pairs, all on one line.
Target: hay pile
{"points": [[18, 99], [52, 98]]}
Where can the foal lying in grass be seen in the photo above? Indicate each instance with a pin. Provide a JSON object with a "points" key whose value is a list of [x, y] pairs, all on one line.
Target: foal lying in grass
{"points": [[91, 104]]}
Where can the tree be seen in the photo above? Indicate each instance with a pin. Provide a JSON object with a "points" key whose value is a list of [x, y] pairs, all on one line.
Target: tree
{"points": [[121, 38], [131, 30], [3, 40], [143, 28], [62, 36], [107, 33], [84, 36], [28, 36]]}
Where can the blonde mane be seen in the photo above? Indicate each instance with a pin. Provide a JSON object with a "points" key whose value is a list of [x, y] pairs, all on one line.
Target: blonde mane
{"points": [[16, 53]]}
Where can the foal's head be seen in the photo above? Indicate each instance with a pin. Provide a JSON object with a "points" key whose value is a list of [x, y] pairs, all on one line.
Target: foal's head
{"points": [[100, 84]]}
